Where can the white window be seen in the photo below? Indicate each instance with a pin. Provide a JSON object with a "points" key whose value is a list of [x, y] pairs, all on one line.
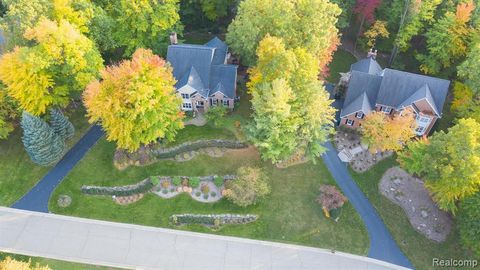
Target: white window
{"points": [[386, 109], [187, 105], [226, 102], [350, 122], [359, 115], [423, 119], [185, 96], [420, 130]]}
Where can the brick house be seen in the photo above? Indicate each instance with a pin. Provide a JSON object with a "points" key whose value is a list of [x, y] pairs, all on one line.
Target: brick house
{"points": [[371, 88], [203, 76]]}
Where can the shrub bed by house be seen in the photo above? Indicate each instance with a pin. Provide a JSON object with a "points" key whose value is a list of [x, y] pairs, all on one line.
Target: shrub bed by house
{"points": [[212, 220], [141, 187]]}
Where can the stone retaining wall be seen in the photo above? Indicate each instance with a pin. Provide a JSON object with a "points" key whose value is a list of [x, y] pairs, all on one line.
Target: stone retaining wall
{"points": [[212, 220], [141, 187]]}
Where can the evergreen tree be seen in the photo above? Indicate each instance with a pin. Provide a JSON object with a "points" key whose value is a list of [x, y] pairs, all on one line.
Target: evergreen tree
{"points": [[61, 125], [41, 143]]}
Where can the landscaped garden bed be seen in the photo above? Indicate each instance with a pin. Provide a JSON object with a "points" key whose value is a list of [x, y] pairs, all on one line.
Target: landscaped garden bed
{"points": [[212, 221], [410, 193]]}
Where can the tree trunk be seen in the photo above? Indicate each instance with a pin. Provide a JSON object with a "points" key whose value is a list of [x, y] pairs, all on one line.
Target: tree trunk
{"points": [[358, 34], [402, 22]]}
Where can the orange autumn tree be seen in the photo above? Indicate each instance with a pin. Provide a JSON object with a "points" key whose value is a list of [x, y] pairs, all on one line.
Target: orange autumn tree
{"points": [[135, 101], [384, 133]]}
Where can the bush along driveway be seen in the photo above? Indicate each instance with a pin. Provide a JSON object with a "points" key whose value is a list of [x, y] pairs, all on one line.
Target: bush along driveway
{"points": [[37, 198], [382, 245]]}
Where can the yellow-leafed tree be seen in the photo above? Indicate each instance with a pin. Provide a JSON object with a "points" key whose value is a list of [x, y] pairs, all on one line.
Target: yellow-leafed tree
{"points": [[384, 133], [11, 264], [135, 101], [61, 62]]}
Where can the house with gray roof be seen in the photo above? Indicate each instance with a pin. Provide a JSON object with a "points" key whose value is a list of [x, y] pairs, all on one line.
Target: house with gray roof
{"points": [[371, 88], [203, 76]]}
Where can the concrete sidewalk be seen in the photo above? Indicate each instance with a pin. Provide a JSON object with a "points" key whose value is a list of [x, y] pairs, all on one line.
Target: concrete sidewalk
{"points": [[140, 247]]}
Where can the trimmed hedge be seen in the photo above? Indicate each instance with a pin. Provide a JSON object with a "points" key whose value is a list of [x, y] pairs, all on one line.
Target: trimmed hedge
{"points": [[141, 187], [196, 145], [212, 220]]}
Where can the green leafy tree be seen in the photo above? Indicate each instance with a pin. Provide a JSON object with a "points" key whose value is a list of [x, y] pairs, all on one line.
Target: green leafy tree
{"points": [[21, 15], [216, 114], [144, 23], [309, 24], [448, 162], [469, 70], [347, 8], [250, 185], [40, 141], [62, 62], [447, 40], [303, 118], [468, 223], [136, 101], [8, 113], [61, 125]]}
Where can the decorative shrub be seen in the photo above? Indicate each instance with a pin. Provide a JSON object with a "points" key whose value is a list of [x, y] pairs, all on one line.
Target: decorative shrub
{"points": [[205, 196], [250, 185], [198, 193], [165, 191], [205, 189], [194, 182], [213, 194], [165, 184], [218, 181], [330, 197], [141, 187], [216, 115], [177, 181], [212, 220], [155, 180], [172, 190]]}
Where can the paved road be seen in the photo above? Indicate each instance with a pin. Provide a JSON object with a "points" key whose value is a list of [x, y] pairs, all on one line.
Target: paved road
{"points": [[140, 247], [382, 245], [37, 198]]}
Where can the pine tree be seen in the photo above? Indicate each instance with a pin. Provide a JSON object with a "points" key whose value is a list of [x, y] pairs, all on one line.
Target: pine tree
{"points": [[61, 125], [41, 143]]}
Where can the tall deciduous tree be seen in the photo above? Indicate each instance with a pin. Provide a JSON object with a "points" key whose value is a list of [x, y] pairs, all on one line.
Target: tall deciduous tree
{"points": [[377, 30], [308, 23], [449, 163], [292, 111], [136, 101], [448, 39], [8, 113], [469, 70], [40, 141], [144, 23], [384, 133], [62, 61]]}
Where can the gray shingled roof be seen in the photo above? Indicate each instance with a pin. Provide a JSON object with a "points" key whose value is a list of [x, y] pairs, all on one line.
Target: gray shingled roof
{"points": [[183, 57], [397, 86], [361, 93], [367, 65], [220, 50], [422, 93], [202, 67], [224, 78]]}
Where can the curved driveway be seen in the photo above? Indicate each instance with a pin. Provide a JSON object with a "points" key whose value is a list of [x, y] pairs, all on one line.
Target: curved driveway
{"points": [[37, 198], [382, 245]]}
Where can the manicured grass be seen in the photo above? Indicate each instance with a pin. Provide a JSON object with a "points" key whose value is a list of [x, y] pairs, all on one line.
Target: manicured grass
{"points": [[341, 63], [54, 264], [17, 173], [417, 247], [289, 214], [193, 133]]}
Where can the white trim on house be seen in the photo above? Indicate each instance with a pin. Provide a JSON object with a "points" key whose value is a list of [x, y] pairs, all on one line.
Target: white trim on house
{"points": [[350, 122]]}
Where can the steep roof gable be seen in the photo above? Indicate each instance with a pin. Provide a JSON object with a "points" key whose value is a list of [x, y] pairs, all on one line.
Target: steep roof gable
{"points": [[191, 78], [367, 65], [361, 93], [398, 86], [224, 79], [423, 93], [220, 50], [183, 57]]}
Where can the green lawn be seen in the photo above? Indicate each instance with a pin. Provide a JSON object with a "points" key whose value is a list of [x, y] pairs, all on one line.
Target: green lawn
{"points": [[54, 264], [340, 63], [193, 133], [17, 173], [290, 213], [418, 248]]}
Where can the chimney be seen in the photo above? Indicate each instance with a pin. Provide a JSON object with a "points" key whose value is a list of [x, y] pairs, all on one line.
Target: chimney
{"points": [[173, 38], [372, 53]]}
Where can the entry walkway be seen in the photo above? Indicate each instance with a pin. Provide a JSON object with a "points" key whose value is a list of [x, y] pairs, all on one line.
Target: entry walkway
{"points": [[140, 247]]}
